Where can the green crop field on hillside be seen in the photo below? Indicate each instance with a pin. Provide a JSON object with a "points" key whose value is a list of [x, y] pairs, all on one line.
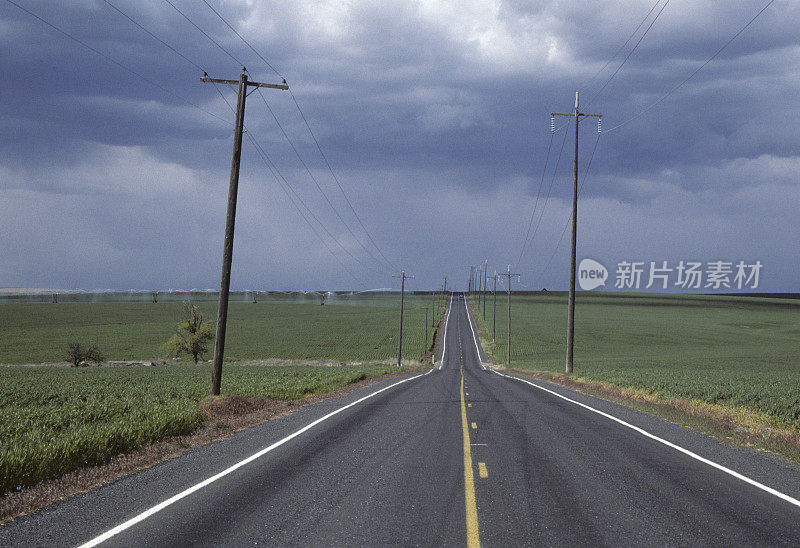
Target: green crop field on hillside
{"points": [[734, 351], [359, 328], [56, 419]]}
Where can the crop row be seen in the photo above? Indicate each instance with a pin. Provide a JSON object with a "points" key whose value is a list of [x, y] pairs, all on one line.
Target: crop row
{"points": [[54, 419]]}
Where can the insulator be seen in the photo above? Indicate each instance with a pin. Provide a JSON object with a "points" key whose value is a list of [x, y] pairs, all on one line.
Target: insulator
{"points": [[599, 125], [552, 124]]}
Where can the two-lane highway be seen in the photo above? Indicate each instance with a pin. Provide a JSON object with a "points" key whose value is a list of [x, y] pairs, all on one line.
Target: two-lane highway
{"points": [[457, 455]]}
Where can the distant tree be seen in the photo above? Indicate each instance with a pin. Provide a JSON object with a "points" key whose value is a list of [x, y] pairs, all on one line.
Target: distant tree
{"points": [[80, 354], [192, 335]]}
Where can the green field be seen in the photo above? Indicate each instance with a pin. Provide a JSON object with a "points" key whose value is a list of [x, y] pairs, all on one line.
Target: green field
{"points": [[354, 329], [733, 351], [56, 419]]}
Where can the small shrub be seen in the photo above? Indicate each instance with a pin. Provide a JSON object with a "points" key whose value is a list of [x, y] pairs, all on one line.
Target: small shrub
{"points": [[80, 354], [192, 335]]}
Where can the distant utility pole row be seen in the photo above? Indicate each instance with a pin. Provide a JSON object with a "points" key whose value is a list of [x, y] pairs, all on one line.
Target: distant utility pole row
{"points": [[478, 274], [479, 278]]}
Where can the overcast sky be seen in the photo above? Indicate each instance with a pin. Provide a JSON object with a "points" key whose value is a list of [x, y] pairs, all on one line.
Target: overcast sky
{"points": [[435, 119]]}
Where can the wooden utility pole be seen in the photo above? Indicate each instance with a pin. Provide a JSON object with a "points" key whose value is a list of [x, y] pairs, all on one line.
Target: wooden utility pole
{"points": [[508, 293], [494, 308], [230, 221], [485, 270], [426, 330], [577, 114], [402, 299]]}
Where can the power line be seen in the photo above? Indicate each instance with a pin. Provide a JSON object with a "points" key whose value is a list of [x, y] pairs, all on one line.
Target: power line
{"points": [[580, 191], [266, 158], [278, 175], [286, 136], [619, 49], [653, 22], [172, 49], [242, 39], [536, 203], [549, 190], [314, 179], [335, 178], [283, 183], [698, 69], [228, 53], [313, 137], [272, 168], [114, 61]]}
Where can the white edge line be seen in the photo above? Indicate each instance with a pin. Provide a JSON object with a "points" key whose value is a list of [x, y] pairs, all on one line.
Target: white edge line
{"points": [[444, 337], [645, 433], [469, 318], [185, 493]]}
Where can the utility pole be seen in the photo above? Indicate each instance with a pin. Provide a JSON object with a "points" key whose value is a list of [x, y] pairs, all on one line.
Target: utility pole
{"points": [[494, 308], [402, 299], [485, 270], [426, 330], [230, 221], [508, 293], [577, 114]]}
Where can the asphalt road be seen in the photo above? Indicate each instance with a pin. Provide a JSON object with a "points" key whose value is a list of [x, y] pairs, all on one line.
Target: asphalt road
{"points": [[457, 455]]}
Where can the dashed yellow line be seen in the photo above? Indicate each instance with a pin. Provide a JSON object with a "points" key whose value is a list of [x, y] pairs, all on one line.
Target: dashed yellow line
{"points": [[474, 426], [469, 405], [482, 471], [473, 536]]}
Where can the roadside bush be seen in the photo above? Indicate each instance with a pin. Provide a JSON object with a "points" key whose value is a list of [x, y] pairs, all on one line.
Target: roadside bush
{"points": [[79, 354], [192, 335]]}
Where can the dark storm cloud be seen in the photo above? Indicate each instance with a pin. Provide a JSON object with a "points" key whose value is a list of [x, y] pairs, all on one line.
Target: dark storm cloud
{"points": [[435, 116]]}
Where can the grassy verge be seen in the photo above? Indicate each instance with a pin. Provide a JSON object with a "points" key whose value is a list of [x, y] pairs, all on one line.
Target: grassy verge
{"points": [[54, 420], [727, 362]]}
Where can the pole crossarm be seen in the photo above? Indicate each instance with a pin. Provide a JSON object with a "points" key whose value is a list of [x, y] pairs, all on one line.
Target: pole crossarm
{"points": [[573, 114], [283, 86]]}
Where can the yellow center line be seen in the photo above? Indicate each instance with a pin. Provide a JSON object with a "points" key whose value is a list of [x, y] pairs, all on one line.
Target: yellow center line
{"points": [[473, 537]]}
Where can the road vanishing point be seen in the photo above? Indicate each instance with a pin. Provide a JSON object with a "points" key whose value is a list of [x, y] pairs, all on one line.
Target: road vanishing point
{"points": [[457, 455]]}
